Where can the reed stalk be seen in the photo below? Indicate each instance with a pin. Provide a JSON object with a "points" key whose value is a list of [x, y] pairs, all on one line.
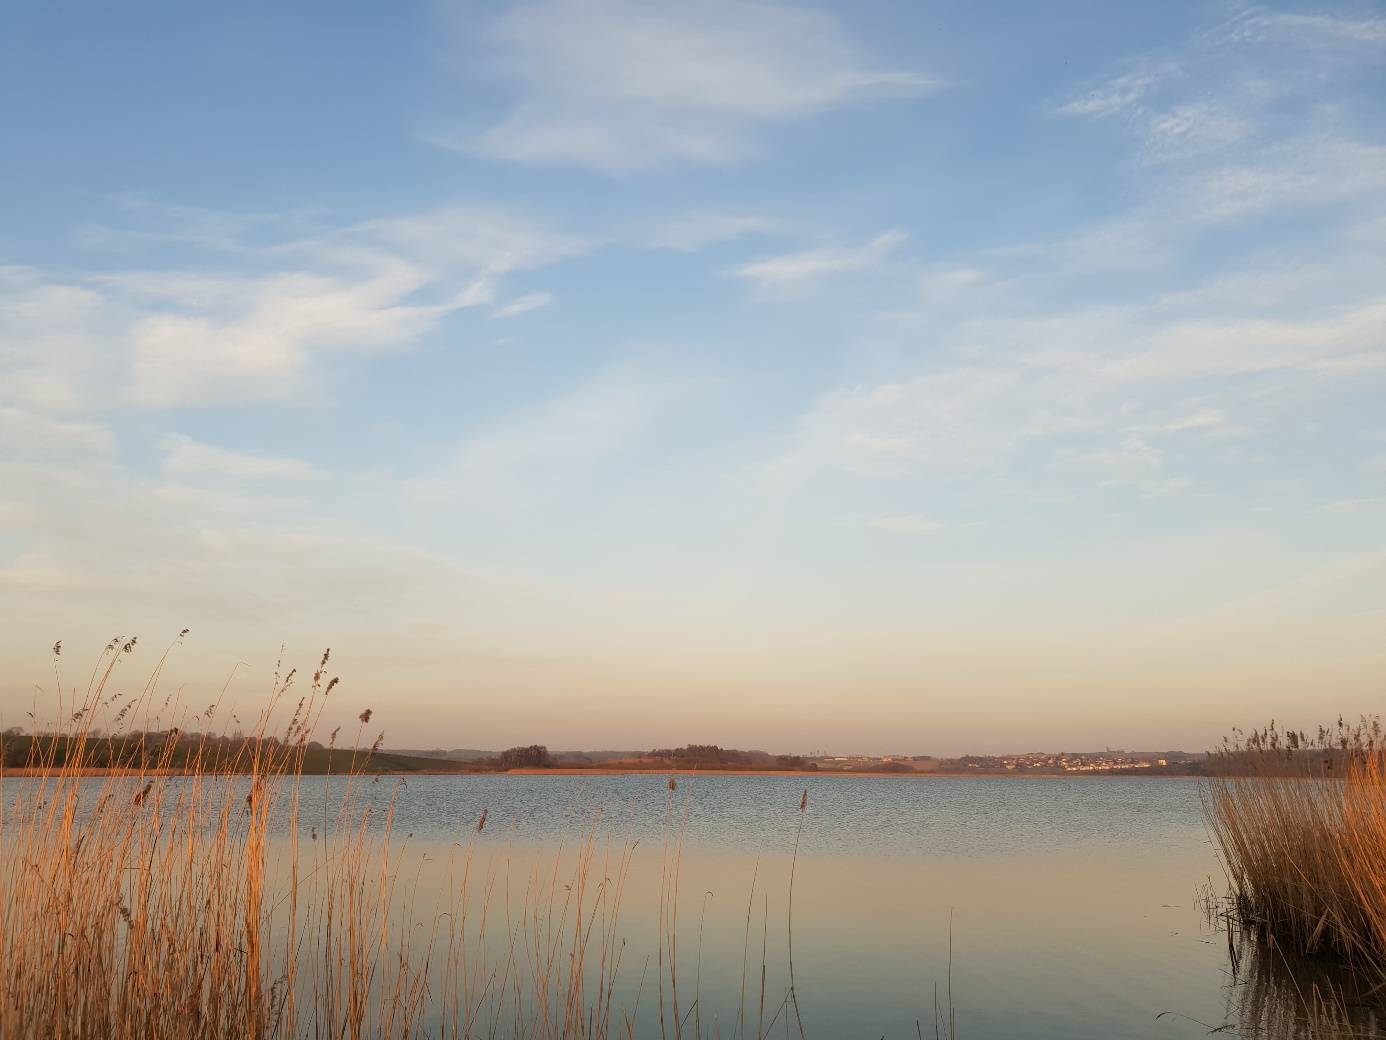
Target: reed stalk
{"points": [[1300, 824], [158, 882]]}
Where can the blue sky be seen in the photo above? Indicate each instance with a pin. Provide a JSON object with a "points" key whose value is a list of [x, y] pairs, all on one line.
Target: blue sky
{"points": [[875, 377]]}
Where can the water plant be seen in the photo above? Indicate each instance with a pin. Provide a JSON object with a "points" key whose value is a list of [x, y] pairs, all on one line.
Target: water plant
{"points": [[1300, 822], [159, 885]]}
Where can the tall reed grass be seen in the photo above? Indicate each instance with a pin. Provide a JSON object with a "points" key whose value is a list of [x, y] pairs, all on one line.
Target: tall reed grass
{"points": [[1301, 829], [218, 903], [139, 905]]}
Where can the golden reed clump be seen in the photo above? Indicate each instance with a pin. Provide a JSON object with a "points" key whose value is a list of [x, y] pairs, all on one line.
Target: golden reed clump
{"points": [[1300, 822], [153, 887]]}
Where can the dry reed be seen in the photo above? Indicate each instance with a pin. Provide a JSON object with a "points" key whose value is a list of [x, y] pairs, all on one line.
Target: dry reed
{"points": [[140, 905], [1302, 835]]}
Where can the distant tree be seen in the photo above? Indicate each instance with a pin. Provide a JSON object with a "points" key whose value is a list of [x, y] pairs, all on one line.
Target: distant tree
{"points": [[535, 756], [704, 755]]}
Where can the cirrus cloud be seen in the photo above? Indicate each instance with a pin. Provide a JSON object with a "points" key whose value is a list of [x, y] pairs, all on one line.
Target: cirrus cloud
{"points": [[620, 86]]}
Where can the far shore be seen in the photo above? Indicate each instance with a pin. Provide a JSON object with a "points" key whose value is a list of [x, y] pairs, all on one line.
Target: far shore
{"points": [[20, 772], [919, 774]]}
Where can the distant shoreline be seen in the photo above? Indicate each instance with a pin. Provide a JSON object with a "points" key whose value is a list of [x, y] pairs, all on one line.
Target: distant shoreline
{"points": [[22, 773], [1139, 774]]}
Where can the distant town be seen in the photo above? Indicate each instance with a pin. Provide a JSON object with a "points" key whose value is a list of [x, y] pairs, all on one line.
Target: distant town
{"points": [[1109, 761]]}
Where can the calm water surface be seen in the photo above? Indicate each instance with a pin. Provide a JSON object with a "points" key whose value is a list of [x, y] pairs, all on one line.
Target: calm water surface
{"points": [[1072, 903]]}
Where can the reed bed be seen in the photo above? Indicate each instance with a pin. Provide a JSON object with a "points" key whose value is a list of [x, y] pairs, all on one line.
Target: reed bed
{"points": [[217, 903], [1300, 822], [142, 905]]}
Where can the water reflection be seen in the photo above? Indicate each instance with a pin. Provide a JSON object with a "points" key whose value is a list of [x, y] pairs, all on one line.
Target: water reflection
{"points": [[1275, 994], [1073, 905]]}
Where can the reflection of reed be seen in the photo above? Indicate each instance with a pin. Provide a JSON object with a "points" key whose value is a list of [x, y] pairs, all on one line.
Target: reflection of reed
{"points": [[1274, 993]]}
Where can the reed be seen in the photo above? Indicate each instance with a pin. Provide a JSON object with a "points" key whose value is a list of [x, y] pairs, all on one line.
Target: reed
{"points": [[136, 904], [186, 887], [1301, 828]]}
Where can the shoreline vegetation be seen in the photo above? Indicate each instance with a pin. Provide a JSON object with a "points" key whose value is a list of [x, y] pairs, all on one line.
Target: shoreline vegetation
{"points": [[229, 906], [1300, 822], [177, 750], [90, 772], [710, 758]]}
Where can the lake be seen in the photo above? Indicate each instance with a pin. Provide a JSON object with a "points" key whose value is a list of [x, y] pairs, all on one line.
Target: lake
{"points": [[1034, 908], [1074, 903]]}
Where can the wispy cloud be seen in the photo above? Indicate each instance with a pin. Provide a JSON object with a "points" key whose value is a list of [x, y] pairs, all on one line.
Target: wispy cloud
{"points": [[536, 452], [184, 456], [32, 434], [258, 327], [1340, 178], [1224, 134], [690, 232], [1190, 130], [141, 221], [474, 238], [779, 271], [1134, 463], [933, 421], [262, 344], [523, 305], [1202, 420], [1118, 94], [61, 344], [1059, 388], [1317, 30], [1353, 505], [1248, 93], [909, 523], [620, 86]]}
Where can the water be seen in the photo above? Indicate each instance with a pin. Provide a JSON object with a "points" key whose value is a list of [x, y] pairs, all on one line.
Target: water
{"points": [[1044, 907], [1072, 902]]}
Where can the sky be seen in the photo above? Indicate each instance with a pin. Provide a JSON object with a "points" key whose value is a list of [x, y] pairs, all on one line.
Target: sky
{"points": [[873, 377]]}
